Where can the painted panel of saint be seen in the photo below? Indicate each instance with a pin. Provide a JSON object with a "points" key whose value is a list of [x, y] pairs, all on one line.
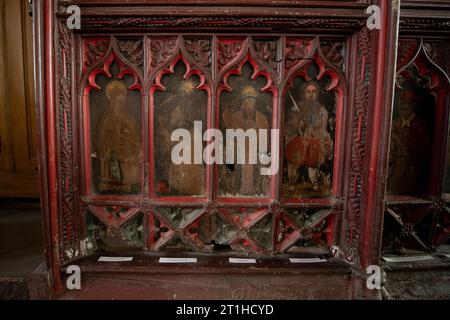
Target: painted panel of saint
{"points": [[245, 107], [411, 142], [179, 107], [309, 122], [116, 137]]}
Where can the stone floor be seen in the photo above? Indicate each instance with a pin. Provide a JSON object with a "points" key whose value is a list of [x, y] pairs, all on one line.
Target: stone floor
{"points": [[21, 251], [419, 280]]}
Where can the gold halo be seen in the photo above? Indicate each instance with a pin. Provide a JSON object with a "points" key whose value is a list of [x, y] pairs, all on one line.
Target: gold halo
{"points": [[114, 85]]}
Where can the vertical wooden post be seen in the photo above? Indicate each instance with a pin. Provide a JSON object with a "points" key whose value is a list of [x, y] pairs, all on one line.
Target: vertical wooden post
{"points": [[50, 132], [379, 129]]}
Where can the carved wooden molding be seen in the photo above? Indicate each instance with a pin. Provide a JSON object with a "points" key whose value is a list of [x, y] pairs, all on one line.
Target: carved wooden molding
{"points": [[132, 50], [180, 22], [351, 234], [425, 24], [69, 226]]}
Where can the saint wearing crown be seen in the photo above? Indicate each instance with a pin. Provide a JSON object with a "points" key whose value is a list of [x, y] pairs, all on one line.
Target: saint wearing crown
{"points": [[247, 117]]}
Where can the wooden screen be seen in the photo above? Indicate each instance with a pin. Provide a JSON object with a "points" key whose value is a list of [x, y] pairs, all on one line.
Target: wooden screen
{"points": [[115, 90], [417, 210], [138, 90]]}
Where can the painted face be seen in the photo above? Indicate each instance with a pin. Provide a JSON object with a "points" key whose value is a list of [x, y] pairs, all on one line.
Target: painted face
{"points": [[118, 97], [311, 93], [249, 105], [116, 94], [407, 108]]}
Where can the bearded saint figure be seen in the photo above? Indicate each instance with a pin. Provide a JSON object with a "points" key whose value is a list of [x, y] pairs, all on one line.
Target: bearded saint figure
{"points": [[308, 141]]}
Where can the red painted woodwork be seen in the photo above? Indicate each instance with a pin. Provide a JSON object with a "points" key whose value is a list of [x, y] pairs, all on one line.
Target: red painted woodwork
{"points": [[418, 222], [146, 40]]}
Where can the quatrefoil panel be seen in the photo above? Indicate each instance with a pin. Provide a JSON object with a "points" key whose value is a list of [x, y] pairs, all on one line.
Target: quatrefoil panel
{"points": [[113, 227], [113, 216], [245, 229], [408, 227], [304, 228], [181, 228]]}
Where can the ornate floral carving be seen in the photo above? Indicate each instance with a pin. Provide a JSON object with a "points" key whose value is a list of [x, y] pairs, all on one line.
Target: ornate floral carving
{"points": [[161, 50], [94, 50], [228, 51], [210, 207], [439, 205], [307, 233], [338, 208], [296, 50], [199, 50], [275, 207], [145, 206], [132, 50], [69, 241], [407, 229], [113, 231], [351, 234], [267, 52], [333, 52]]}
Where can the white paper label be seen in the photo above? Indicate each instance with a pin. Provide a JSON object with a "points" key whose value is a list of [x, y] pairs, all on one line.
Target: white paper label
{"points": [[177, 260], [307, 260], [408, 259], [241, 260], [115, 259]]}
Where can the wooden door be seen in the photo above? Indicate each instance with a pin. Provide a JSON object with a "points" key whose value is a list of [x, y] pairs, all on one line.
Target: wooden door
{"points": [[18, 154]]}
